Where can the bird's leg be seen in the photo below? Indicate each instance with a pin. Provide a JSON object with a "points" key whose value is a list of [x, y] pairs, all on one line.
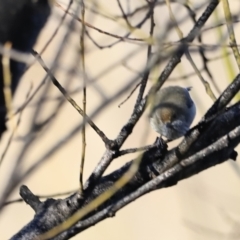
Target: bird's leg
{"points": [[160, 142]]}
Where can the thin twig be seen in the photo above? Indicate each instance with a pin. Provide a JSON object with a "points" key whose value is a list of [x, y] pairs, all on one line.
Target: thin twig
{"points": [[226, 55], [74, 104], [124, 15], [54, 33], [231, 33], [7, 81], [131, 93], [15, 128], [204, 82], [99, 30], [180, 35], [149, 55], [82, 46], [57, 28]]}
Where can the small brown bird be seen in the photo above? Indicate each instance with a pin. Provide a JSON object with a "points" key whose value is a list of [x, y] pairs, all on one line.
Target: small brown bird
{"points": [[173, 112]]}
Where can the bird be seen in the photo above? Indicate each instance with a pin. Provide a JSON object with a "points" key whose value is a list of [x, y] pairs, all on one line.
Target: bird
{"points": [[173, 112]]}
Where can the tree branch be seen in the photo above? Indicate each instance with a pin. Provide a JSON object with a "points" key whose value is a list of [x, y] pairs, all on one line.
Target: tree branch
{"points": [[213, 147]]}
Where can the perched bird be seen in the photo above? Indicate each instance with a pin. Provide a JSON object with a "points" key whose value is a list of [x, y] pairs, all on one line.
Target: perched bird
{"points": [[173, 112]]}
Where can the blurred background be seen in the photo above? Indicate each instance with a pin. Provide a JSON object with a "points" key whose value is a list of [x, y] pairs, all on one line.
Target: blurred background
{"points": [[205, 206]]}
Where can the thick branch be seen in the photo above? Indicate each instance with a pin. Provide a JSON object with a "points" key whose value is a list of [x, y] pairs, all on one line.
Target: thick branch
{"points": [[213, 147]]}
